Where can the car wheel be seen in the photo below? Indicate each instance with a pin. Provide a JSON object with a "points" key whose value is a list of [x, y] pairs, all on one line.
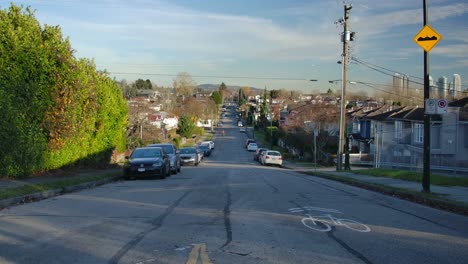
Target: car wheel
{"points": [[163, 174], [179, 167]]}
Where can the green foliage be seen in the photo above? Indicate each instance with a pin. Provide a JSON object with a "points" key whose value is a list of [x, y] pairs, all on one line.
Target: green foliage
{"points": [[177, 142], [264, 106], [199, 131], [275, 94], [415, 176], [55, 110], [186, 126], [242, 97], [140, 84], [217, 97]]}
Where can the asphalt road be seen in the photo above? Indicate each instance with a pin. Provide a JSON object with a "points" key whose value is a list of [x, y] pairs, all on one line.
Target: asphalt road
{"points": [[229, 209]]}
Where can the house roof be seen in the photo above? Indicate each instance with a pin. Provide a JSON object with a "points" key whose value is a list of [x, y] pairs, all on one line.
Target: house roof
{"points": [[383, 113], [460, 103], [413, 114]]}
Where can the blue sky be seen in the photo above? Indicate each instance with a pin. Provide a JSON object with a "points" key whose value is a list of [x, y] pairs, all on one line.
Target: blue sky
{"points": [[273, 43]]}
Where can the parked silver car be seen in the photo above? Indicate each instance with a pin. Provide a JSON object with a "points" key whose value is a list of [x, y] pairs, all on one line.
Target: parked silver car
{"points": [[173, 153], [189, 155]]}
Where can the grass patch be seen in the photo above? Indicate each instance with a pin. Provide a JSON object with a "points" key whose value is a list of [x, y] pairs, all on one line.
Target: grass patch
{"points": [[415, 176], [54, 185]]}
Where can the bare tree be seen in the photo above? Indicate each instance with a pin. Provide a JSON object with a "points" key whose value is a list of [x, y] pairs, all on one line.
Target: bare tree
{"points": [[184, 85]]}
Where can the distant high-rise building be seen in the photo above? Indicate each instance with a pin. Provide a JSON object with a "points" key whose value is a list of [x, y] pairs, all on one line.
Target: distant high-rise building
{"points": [[405, 82], [432, 88], [401, 83], [456, 85], [442, 87], [397, 82]]}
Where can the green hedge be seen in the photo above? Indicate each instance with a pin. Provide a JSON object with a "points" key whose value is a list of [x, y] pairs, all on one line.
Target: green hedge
{"points": [[55, 110]]}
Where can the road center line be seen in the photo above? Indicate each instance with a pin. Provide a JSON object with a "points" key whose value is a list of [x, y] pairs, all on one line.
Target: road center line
{"points": [[199, 250]]}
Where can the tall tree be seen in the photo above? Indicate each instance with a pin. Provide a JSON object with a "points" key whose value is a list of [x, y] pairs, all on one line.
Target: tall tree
{"points": [[217, 98], [242, 97], [184, 85], [275, 94], [223, 91], [264, 107], [186, 126]]}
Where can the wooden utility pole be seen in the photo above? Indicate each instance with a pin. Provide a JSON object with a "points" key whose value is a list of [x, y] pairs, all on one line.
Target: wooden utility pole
{"points": [[346, 37]]}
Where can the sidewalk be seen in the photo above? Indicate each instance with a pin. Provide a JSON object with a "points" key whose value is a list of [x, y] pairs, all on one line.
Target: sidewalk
{"points": [[453, 198], [76, 180]]}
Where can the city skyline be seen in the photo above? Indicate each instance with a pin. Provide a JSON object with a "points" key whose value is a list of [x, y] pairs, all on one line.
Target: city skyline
{"points": [[273, 44]]}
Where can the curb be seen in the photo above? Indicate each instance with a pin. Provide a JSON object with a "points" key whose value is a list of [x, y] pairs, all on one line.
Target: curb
{"points": [[53, 193], [411, 196]]}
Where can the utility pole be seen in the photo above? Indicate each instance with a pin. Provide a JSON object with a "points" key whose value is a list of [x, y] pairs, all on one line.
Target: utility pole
{"points": [[427, 38], [426, 180], [346, 37]]}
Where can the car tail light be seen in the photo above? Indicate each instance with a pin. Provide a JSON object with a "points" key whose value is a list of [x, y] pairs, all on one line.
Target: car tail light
{"points": [[267, 157], [280, 158]]}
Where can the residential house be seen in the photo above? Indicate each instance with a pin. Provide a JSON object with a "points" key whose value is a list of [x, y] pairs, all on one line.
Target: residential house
{"points": [[394, 137]]}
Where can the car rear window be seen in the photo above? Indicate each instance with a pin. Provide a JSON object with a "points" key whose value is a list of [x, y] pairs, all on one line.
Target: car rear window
{"points": [[273, 153], [187, 151], [146, 153]]}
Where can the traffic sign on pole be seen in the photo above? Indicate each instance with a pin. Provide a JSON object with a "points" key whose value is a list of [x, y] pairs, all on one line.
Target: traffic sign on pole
{"points": [[431, 105], [442, 106], [427, 38]]}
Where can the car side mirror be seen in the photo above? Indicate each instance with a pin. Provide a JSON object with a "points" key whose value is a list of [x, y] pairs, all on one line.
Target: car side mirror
{"points": [[177, 152]]}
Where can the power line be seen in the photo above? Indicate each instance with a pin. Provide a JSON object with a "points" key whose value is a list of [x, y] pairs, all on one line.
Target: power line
{"points": [[215, 76], [392, 72]]}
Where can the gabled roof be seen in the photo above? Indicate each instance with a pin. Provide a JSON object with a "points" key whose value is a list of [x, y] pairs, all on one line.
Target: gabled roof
{"points": [[383, 113], [401, 113], [413, 114], [460, 103]]}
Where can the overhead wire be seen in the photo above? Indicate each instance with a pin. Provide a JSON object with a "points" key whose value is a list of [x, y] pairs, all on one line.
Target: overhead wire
{"points": [[390, 72]]}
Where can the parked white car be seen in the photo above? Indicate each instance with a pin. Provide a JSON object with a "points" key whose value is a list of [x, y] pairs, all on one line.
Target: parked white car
{"points": [[272, 157], [252, 146], [212, 144]]}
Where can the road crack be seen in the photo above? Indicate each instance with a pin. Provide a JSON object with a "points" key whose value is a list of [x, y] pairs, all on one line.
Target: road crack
{"points": [[155, 225], [227, 217], [354, 252]]}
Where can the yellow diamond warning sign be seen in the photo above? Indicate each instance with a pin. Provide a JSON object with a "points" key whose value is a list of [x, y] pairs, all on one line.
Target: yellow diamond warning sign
{"points": [[427, 38]]}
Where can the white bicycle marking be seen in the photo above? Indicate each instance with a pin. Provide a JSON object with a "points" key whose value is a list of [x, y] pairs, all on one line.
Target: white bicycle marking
{"points": [[324, 223]]}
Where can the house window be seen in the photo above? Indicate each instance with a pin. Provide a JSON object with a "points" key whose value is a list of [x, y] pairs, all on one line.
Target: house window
{"points": [[418, 133], [356, 127], [398, 129]]}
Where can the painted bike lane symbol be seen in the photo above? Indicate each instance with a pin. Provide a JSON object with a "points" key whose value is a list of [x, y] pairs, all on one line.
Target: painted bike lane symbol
{"points": [[324, 222]]}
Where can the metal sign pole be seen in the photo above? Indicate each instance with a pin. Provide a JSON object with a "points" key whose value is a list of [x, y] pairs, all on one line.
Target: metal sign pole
{"points": [[426, 181]]}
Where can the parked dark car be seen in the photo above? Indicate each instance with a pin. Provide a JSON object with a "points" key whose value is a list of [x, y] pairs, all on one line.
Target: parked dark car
{"points": [[189, 155], [248, 141], [258, 153], [174, 157], [147, 162], [205, 148]]}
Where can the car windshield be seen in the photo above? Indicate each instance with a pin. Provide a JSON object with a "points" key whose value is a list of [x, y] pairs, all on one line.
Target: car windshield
{"points": [[168, 149], [203, 146], [146, 153], [187, 151]]}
